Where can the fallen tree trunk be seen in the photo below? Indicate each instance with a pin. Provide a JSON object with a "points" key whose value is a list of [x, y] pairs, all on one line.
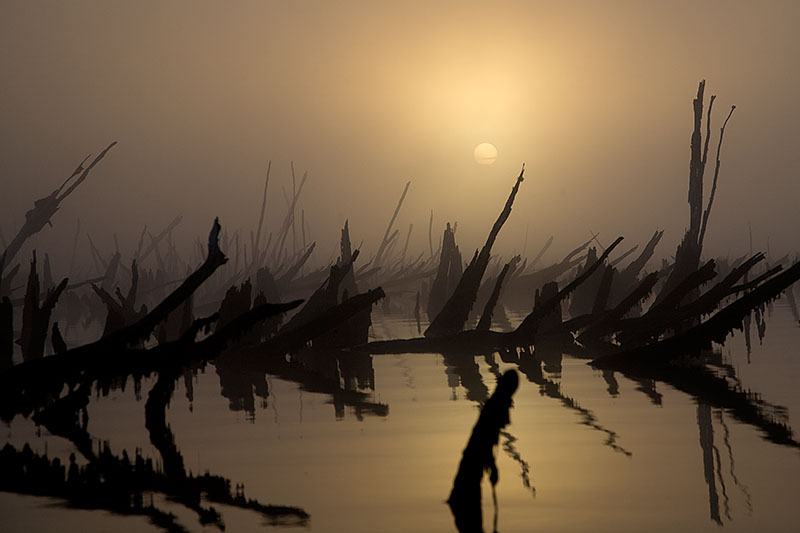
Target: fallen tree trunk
{"points": [[714, 329]]}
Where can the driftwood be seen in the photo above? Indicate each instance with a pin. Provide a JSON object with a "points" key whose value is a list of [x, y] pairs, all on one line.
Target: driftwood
{"points": [[447, 274], [292, 271], [485, 322], [36, 316], [386, 239], [71, 364], [714, 329], [25, 386], [660, 318], [478, 342], [583, 298], [628, 275], [154, 241], [121, 312], [454, 314], [255, 245], [525, 284], [348, 283], [527, 329], [609, 320], [544, 249], [44, 208], [322, 322], [288, 221]]}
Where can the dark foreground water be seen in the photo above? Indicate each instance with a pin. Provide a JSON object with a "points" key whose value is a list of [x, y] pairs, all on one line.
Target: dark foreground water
{"points": [[584, 451]]}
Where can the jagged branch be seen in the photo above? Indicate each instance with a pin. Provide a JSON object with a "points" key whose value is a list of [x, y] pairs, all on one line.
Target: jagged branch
{"points": [[707, 212]]}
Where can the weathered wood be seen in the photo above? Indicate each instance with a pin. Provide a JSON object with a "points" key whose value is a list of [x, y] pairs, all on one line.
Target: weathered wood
{"points": [[707, 212], [44, 208], [454, 314], [287, 221], [601, 300], [630, 272], [447, 273], [527, 328], [36, 317], [155, 240], [609, 320], [714, 329], [385, 240], [485, 322], [348, 283], [292, 271], [319, 322], [657, 320]]}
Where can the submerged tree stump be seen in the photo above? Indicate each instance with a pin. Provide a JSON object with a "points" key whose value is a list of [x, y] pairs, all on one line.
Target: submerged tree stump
{"points": [[478, 456]]}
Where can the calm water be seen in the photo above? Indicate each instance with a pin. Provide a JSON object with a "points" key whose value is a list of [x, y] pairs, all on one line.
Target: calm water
{"points": [[584, 452]]}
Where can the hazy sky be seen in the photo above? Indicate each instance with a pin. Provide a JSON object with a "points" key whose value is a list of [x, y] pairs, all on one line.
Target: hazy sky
{"points": [[595, 98]]}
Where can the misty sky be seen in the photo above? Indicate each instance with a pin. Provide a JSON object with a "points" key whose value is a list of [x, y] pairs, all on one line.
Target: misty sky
{"points": [[594, 97]]}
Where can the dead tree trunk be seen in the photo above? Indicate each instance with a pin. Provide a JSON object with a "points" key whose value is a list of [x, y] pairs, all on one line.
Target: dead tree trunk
{"points": [[35, 317], [449, 267], [485, 322], [454, 314], [687, 257]]}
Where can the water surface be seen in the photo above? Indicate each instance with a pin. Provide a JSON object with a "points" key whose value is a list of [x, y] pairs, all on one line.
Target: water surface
{"points": [[584, 452]]}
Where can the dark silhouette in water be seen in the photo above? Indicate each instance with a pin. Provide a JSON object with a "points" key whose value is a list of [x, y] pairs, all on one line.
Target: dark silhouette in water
{"points": [[447, 275], [59, 346], [36, 315], [313, 349], [6, 332], [478, 456]]}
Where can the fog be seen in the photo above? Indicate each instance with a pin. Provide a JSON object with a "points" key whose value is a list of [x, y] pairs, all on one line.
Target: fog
{"points": [[593, 97]]}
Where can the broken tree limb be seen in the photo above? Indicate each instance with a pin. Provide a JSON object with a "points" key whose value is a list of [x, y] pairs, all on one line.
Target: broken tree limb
{"points": [[542, 251], [140, 331], [292, 338], [527, 329], [287, 221], [292, 271], [454, 314], [257, 243], [716, 171], [485, 322], [385, 241], [714, 329], [610, 319], [154, 241], [44, 208], [633, 269]]}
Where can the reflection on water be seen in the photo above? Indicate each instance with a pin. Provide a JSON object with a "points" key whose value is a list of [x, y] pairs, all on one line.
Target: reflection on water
{"points": [[372, 443]]}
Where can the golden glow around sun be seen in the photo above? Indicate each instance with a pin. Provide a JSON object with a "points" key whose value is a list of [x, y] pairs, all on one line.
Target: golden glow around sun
{"points": [[485, 154]]}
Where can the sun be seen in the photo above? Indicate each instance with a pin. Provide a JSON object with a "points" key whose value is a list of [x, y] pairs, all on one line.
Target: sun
{"points": [[485, 154]]}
